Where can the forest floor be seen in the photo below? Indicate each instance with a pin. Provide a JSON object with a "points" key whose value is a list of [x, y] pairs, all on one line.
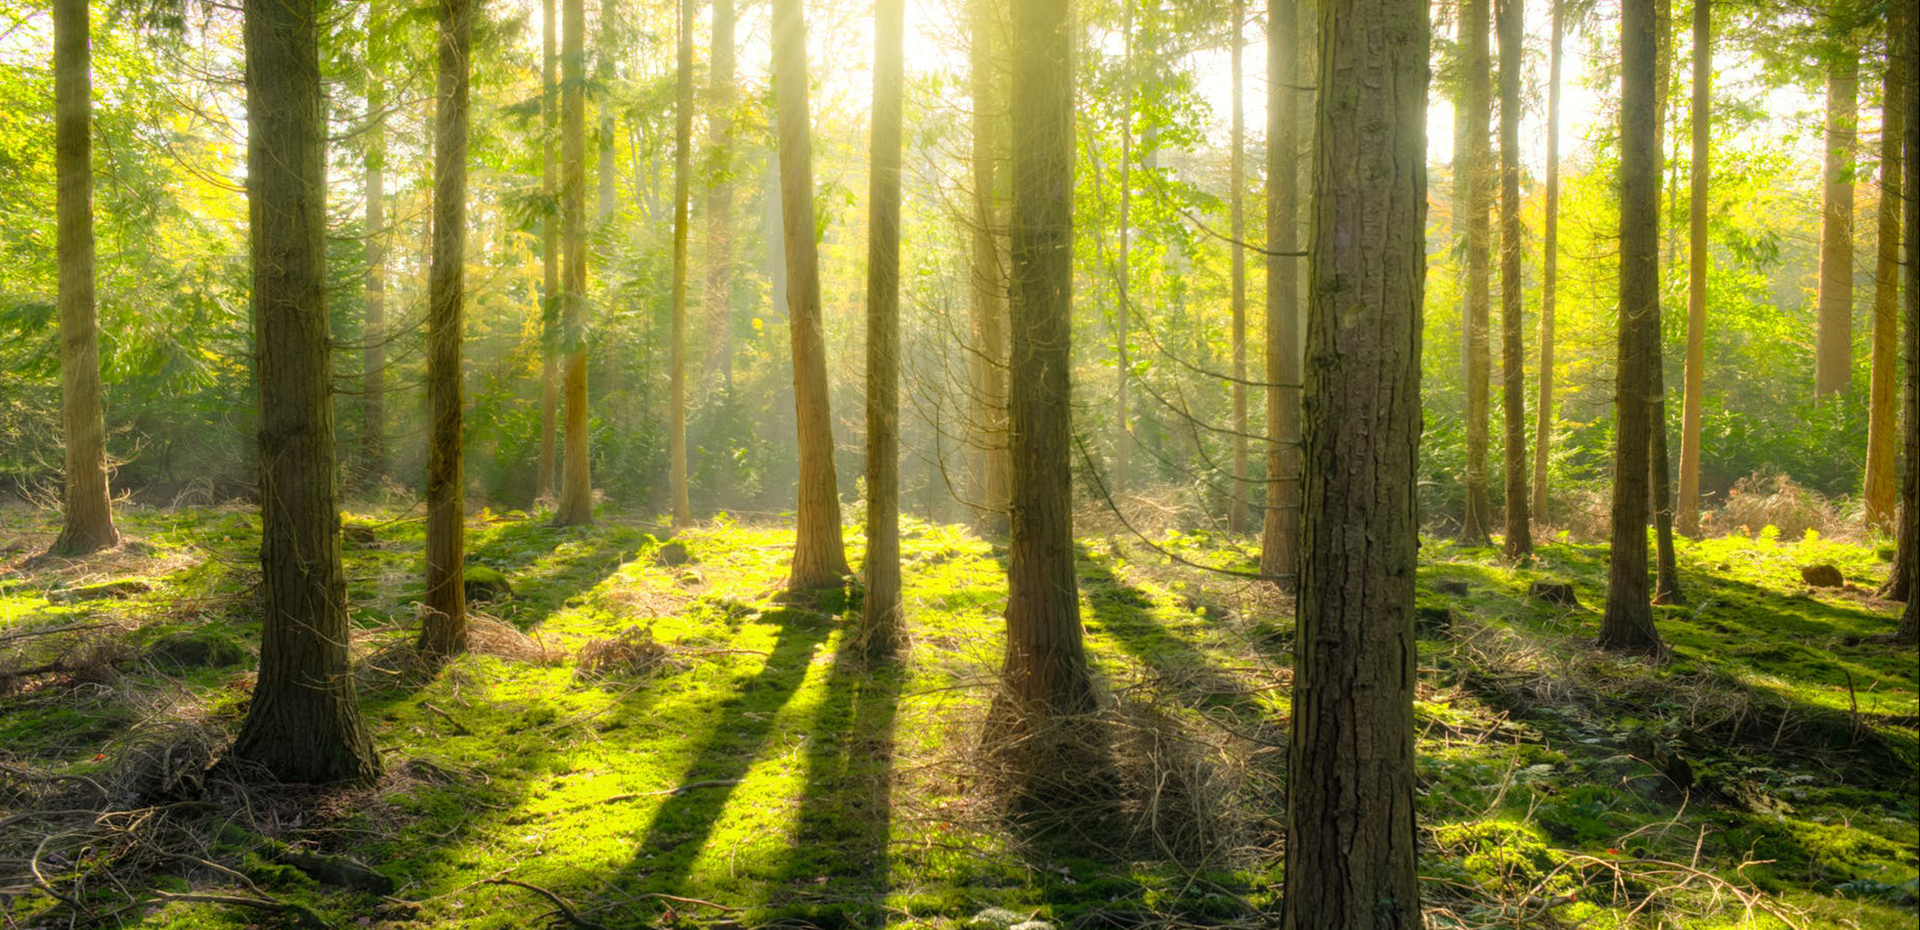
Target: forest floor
{"points": [[648, 735]]}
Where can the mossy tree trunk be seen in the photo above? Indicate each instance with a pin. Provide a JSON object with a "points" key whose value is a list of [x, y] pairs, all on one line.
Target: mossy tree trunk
{"points": [[882, 628], [1833, 336], [1478, 517], [1907, 551], [677, 344], [1280, 528], [550, 299], [1880, 491], [1549, 268], [1687, 508], [1513, 379], [989, 286], [1237, 505], [576, 479], [373, 354]]}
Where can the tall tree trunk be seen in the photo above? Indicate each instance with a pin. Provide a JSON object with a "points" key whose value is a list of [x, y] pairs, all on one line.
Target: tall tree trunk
{"points": [[606, 70], [677, 350], [1907, 550], [89, 516], [303, 724], [1280, 529], [1519, 528], [1350, 803], [1833, 338], [1687, 512], [819, 557], [1478, 519], [1666, 589], [444, 632], [576, 480], [1627, 623], [1880, 489], [1123, 438], [373, 354], [1237, 505], [719, 300], [883, 631], [1549, 269], [550, 297], [989, 292], [1046, 664]]}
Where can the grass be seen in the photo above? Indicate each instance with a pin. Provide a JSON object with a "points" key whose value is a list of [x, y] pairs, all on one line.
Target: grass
{"points": [[745, 763]]}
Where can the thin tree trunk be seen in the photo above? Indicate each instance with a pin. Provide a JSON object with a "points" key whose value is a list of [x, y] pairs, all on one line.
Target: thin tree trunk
{"points": [[576, 481], [1123, 307], [1880, 490], [373, 355], [1907, 550], [1666, 588], [1833, 338], [89, 517], [819, 557], [1687, 513], [550, 298], [1479, 517], [1351, 845], [1237, 505], [1280, 529], [677, 350], [719, 300], [606, 68], [1519, 528], [989, 291], [1046, 664], [1627, 623], [1549, 269], [444, 631], [883, 631], [303, 723]]}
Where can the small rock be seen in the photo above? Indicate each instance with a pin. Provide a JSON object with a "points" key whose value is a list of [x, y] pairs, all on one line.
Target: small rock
{"points": [[1559, 593], [1822, 576], [196, 649], [691, 576], [1452, 586], [1432, 621], [1031, 925], [486, 584], [672, 554], [993, 918]]}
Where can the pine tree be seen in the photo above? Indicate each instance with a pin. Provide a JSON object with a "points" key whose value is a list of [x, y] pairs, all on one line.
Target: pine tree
{"points": [[882, 628]]}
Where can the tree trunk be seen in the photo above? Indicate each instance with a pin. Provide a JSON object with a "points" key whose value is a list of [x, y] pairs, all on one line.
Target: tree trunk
{"points": [[1687, 513], [883, 631], [1478, 518], [373, 354], [989, 291], [1907, 551], [1549, 269], [1666, 586], [303, 723], [677, 351], [1123, 438], [1519, 528], [1046, 665], [819, 558], [550, 298], [1833, 339], [606, 69], [1350, 803], [576, 481], [719, 301], [444, 632], [1627, 623], [1237, 505], [1880, 490], [1280, 529], [89, 517]]}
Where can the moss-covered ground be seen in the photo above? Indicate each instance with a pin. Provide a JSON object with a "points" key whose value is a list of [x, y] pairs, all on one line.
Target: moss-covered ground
{"points": [[667, 742]]}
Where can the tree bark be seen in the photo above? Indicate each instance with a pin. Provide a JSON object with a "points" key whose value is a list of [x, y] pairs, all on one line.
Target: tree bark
{"points": [[819, 558], [719, 300], [444, 631], [606, 70], [1549, 269], [1627, 623], [677, 350], [1350, 804], [1123, 438], [550, 297], [576, 480], [89, 511], [1880, 490], [1237, 504], [1687, 511], [883, 629], [1280, 528], [1519, 528], [1046, 664], [1907, 550], [1833, 338], [1479, 511], [373, 355], [303, 723], [989, 282]]}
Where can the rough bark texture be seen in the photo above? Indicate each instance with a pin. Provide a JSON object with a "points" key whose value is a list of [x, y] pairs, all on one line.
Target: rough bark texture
{"points": [[1687, 508], [719, 300], [1833, 337], [1549, 269], [1666, 585], [373, 354], [1478, 518], [1123, 438], [89, 513], [1280, 530], [576, 480], [991, 466], [1880, 491], [883, 631], [303, 723], [444, 631], [550, 299], [819, 558], [1907, 551], [1046, 664], [677, 345], [606, 61], [1350, 802], [1627, 623], [1237, 506], [1513, 380]]}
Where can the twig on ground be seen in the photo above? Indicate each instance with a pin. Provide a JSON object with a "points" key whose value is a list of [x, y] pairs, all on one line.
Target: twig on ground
{"points": [[560, 904]]}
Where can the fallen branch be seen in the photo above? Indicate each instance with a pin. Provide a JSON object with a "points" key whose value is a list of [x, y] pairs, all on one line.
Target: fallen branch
{"points": [[560, 904], [690, 786], [307, 915]]}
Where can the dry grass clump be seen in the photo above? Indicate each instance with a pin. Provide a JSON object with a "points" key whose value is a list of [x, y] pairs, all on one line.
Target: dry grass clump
{"points": [[1762, 499], [633, 652]]}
